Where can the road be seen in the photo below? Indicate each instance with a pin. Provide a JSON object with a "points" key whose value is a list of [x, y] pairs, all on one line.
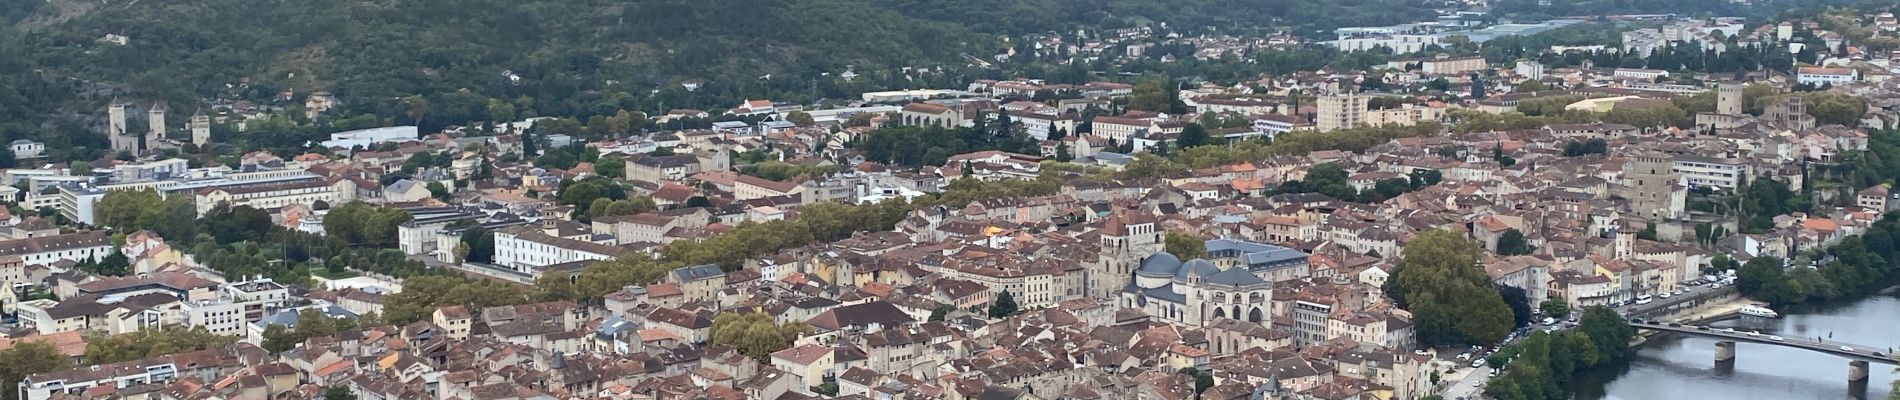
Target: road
{"points": [[1471, 385]]}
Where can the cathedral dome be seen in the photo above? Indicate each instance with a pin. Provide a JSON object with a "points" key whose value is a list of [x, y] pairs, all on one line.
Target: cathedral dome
{"points": [[1160, 265], [1195, 268]]}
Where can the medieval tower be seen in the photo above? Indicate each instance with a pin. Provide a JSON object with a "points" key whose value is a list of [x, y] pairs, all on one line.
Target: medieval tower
{"points": [[200, 128], [115, 128], [157, 117], [1728, 99]]}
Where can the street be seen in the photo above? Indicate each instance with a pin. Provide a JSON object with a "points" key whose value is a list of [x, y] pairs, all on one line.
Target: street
{"points": [[1469, 386]]}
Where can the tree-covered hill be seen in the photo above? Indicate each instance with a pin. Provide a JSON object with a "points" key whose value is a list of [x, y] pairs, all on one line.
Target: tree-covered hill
{"points": [[541, 57]]}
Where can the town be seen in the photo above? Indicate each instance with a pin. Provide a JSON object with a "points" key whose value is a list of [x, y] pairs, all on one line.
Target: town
{"points": [[1454, 221]]}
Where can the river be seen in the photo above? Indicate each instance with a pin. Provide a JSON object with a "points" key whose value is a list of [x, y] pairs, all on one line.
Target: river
{"points": [[1675, 367]]}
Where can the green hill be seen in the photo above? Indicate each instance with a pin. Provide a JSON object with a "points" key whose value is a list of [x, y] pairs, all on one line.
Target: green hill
{"points": [[541, 57]]}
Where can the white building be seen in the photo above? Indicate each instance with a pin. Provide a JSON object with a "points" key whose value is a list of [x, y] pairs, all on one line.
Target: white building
{"points": [[237, 306], [1817, 76], [1717, 173], [372, 137], [1529, 69], [46, 250], [522, 248], [24, 149], [275, 195]]}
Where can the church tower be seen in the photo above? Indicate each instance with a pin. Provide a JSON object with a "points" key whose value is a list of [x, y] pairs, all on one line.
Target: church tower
{"points": [[200, 128], [157, 117]]}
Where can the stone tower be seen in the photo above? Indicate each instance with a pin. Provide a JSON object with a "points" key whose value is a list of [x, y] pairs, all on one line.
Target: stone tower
{"points": [[200, 128], [1728, 99], [115, 128], [1652, 185], [157, 117]]}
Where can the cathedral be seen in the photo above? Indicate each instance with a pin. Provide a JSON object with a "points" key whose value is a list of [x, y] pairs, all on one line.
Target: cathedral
{"points": [[1234, 280]]}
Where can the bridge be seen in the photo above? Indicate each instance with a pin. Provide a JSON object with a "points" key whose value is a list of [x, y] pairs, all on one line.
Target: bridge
{"points": [[1858, 356]]}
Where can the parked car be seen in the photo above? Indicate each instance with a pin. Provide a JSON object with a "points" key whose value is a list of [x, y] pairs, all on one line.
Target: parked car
{"points": [[1774, 338]]}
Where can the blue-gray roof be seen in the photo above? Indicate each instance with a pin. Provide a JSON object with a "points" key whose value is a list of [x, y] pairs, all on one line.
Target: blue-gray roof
{"points": [[1256, 256], [612, 327], [1163, 293], [1159, 265], [1196, 267], [288, 317], [1235, 277], [697, 272]]}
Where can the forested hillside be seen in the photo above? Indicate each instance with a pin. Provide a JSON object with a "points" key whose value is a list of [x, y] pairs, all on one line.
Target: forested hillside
{"points": [[469, 59], [455, 61]]}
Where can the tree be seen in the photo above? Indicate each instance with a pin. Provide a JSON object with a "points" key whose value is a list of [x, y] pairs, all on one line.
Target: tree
{"points": [[415, 107], [1497, 154], [604, 277], [1328, 179], [829, 388], [1766, 279], [338, 392], [461, 252], [151, 343], [28, 358], [1648, 232], [942, 312], [800, 119], [611, 167], [1151, 95], [1451, 297], [1193, 135], [278, 338], [754, 334], [1202, 379], [437, 191], [1184, 246], [1555, 308], [357, 222], [1004, 305], [530, 145], [1609, 331], [1519, 303], [1512, 243]]}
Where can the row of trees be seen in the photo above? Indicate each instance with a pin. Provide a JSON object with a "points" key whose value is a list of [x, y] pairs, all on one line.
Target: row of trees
{"points": [[360, 223], [1328, 179], [730, 250], [914, 146], [753, 334]]}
